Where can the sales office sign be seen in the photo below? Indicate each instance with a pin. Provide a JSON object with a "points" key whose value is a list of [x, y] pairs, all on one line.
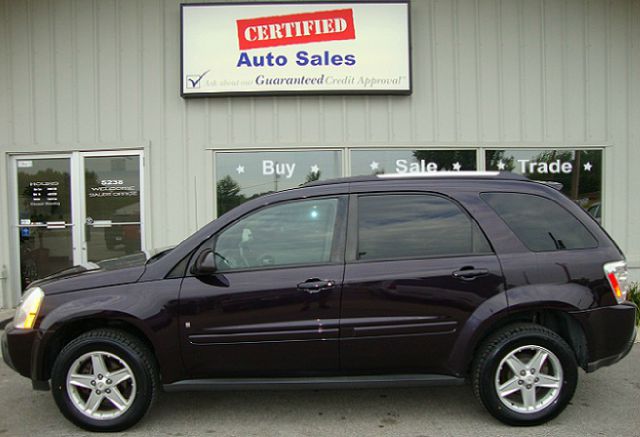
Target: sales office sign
{"points": [[295, 48]]}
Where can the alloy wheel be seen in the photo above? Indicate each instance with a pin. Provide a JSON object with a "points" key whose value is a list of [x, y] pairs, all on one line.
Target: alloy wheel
{"points": [[528, 379], [101, 385]]}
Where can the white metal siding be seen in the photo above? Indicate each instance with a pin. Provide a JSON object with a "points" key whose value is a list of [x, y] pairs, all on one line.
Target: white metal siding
{"points": [[104, 74]]}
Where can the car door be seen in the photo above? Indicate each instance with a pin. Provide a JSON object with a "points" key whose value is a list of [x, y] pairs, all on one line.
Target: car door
{"points": [[272, 306], [417, 267]]}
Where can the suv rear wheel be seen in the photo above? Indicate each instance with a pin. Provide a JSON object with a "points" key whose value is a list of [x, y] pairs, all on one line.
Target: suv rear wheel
{"points": [[104, 380], [525, 374]]}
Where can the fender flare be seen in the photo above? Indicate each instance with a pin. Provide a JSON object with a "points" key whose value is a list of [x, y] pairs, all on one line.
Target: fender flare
{"points": [[55, 323], [500, 309]]}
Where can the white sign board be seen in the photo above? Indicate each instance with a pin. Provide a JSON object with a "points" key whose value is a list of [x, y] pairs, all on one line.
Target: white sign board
{"points": [[295, 48]]}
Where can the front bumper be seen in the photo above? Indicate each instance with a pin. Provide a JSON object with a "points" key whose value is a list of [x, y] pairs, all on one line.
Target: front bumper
{"points": [[18, 352], [5, 352], [610, 333]]}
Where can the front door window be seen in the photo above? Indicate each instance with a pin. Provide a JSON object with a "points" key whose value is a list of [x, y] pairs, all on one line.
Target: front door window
{"points": [[297, 233]]}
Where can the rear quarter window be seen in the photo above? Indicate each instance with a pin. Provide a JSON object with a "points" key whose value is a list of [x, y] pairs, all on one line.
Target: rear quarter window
{"points": [[540, 223]]}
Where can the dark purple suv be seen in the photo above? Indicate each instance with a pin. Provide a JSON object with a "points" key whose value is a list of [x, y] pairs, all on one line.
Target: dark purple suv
{"points": [[358, 282]]}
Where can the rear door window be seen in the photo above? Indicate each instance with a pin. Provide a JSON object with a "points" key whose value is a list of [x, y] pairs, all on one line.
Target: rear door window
{"points": [[415, 226], [540, 223]]}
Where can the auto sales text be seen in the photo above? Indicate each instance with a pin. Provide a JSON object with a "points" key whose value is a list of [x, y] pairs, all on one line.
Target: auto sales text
{"points": [[303, 58]]}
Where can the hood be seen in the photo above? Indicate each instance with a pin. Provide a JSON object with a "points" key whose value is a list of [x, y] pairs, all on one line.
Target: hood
{"points": [[116, 271]]}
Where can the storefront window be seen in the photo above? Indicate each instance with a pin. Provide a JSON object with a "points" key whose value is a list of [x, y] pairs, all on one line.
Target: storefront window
{"points": [[376, 161], [579, 171], [242, 176]]}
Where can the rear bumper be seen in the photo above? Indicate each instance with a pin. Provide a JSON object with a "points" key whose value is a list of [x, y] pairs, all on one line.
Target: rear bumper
{"points": [[610, 333], [595, 365]]}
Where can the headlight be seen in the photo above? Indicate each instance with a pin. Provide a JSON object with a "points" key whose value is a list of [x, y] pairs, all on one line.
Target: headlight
{"points": [[27, 312]]}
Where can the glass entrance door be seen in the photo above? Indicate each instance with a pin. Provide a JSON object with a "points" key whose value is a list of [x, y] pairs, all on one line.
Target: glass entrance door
{"points": [[45, 217], [112, 206], [76, 208]]}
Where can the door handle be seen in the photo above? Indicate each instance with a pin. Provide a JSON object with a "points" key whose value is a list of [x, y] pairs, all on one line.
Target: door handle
{"points": [[315, 285], [469, 274]]}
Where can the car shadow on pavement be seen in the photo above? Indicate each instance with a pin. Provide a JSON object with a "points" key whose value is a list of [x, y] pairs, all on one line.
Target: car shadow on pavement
{"points": [[604, 404]]}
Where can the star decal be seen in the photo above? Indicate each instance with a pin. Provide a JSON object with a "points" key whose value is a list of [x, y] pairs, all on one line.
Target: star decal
{"points": [[315, 169], [501, 165], [588, 166], [374, 165], [240, 169], [457, 166]]}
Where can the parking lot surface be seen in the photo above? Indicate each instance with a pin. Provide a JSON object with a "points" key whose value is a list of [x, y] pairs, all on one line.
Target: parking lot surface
{"points": [[606, 403]]}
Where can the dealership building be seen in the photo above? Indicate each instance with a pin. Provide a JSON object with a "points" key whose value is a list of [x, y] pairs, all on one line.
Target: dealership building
{"points": [[127, 125]]}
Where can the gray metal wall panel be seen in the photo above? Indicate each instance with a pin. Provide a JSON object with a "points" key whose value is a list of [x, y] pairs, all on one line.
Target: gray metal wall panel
{"points": [[65, 68], [444, 71], [633, 140], [617, 118], [532, 48], [489, 92], [176, 147], [85, 85], [467, 73], [129, 71], [6, 133], [21, 83], [596, 71], [332, 120], [104, 74], [42, 77], [510, 71]]}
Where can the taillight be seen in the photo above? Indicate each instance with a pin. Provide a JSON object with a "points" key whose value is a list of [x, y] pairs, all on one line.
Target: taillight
{"points": [[618, 277]]}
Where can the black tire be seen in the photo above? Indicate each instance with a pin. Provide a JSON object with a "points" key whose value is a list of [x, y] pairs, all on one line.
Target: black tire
{"points": [[127, 348], [517, 338]]}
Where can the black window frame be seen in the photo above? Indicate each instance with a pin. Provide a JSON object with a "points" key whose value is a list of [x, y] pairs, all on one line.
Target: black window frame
{"points": [[353, 235], [571, 214]]}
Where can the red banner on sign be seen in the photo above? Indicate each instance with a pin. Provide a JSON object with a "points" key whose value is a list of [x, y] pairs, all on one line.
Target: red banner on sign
{"points": [[282, 30]]}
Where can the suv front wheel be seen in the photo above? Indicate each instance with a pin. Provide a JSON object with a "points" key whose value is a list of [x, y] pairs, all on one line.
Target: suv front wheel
{"points": [[104, 380], [525, 374]]}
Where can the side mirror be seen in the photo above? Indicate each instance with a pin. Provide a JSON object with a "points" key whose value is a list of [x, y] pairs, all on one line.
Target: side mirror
{"points": [[205, 264]]}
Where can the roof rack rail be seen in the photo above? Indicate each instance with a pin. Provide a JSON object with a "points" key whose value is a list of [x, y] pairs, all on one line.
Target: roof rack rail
{"points": [[553, 184], [432, 175], [441, 174]]}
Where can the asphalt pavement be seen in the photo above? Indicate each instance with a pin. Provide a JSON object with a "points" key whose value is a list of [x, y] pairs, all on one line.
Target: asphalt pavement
{"points": [[606, 403]]}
